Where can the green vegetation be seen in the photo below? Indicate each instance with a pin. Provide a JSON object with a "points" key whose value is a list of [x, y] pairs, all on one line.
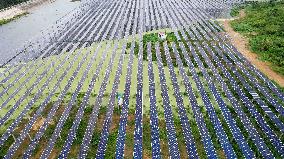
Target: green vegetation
{"points": [[5, 21], [264, 26], [8, 3], [235, 11], [153, 38]]}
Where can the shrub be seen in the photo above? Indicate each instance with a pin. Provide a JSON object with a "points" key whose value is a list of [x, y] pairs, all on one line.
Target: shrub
{"points": [[8, 3], [264, 26]]}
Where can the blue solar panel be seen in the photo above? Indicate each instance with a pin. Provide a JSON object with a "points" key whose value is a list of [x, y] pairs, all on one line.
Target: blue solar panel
{"points": [[93, 117], [124, 112], [137, 152], [108, 119], [171, 133], [255, 137], [231, 123], [209, 148], [209, 107], [11, 74], [225, 78], [120, 143], [257, 85], [52, 112], [257, 73], [64, 116], [191, 148], [23, 74], [155, 136], [80, 113], [25, 95], [270, 134], [72, 132], [26, 130]]}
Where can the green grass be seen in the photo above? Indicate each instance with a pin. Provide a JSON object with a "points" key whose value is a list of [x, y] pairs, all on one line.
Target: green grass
{"points": [[264, 26], [5, 21], [235, 11]]}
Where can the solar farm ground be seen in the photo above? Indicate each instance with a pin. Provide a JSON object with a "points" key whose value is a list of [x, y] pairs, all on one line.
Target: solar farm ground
{"points": [[151, 37], [192, 95]]}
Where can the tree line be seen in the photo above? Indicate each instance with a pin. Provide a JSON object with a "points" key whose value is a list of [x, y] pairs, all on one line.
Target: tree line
{"points": [[8, 3]]}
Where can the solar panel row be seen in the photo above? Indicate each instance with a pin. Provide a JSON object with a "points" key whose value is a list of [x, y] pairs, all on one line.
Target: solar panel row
{"points": [[220, 65]]}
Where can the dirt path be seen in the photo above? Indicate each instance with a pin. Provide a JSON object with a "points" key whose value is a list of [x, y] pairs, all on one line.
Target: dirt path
{"points": [[242, 44], [10, 13]]}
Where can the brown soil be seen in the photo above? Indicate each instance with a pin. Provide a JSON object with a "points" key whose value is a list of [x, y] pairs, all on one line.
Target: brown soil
{"points": [[242, 14], [38, 124], [128, 150], [75, 150], [54, 153], [221, 154], [60, 111], [242, 44], [43, 141], [115, 122], [21, 126], [19, 152]]}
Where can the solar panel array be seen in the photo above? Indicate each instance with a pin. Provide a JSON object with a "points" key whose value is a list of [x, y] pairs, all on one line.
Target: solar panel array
{"points": [[197, 91]]}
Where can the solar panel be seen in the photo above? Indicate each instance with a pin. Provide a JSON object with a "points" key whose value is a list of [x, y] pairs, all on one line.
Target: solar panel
{"points": [[191, 148], [171, 133], [42, 129], [137, 152], [256, 138], [270, 134], [108, 119], [196, 110], [93, 117], [155, 136], [36, 115], [120, 143], [242, 106]]}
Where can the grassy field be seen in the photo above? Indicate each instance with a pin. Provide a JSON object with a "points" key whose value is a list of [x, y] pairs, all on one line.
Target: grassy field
{"points": [[263, 24]]}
